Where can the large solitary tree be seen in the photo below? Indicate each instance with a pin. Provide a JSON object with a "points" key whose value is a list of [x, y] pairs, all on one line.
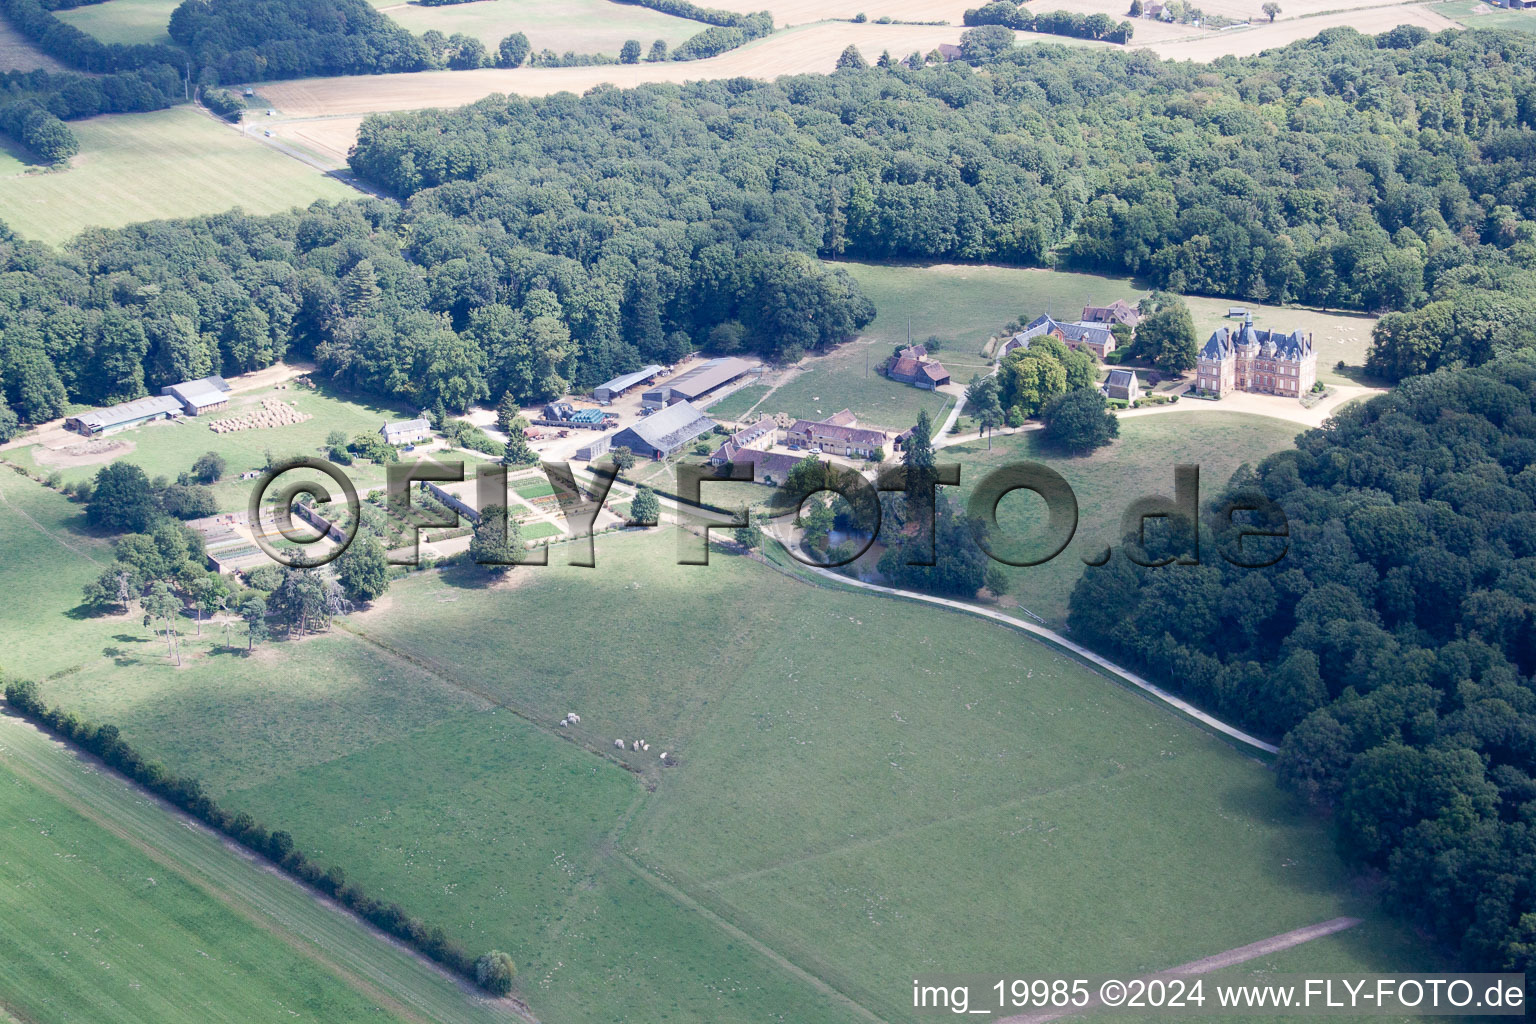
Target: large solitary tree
{"points": [[1080, 421], [363, 569], [1167, 337], [122, 500]]}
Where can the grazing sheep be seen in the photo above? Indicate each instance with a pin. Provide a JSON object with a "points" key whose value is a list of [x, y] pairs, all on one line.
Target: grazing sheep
{"points": [[663, 755], [565, 721], [636, 745], [619, 744], [645, 746], [573, 716]]}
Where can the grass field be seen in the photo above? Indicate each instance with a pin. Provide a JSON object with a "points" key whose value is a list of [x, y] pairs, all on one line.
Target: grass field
{"points": [[1140, 463], [845, 809], [98, 930], [1477, 14], [585, 26], [167, 448], [966, 304], [47, 554], [822, 833], [962, 305], [124, 21], [170, 163], [305, 948], [735, 405]]}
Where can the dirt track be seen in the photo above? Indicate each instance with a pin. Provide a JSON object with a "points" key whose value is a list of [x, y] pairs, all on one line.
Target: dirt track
{"points": [[1231, 958]]}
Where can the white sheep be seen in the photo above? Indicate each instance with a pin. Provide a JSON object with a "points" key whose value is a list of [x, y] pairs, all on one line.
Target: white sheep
{"points": [[645, 746], [663, 755], [573, 716], [619, 744], [636, 745], [565, 721]]}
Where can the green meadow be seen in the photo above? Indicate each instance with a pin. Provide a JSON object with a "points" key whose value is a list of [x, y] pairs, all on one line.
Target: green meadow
{"points": [[164, 164], [97, 930]]}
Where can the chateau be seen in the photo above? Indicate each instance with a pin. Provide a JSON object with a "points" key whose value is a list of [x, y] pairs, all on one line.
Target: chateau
{"points": [[1252, 359]]}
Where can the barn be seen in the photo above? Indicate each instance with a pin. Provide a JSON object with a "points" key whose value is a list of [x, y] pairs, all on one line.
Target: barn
{"points": [[704, 379], [606, 393], [664, 432], [208, 394], [124, 416]]}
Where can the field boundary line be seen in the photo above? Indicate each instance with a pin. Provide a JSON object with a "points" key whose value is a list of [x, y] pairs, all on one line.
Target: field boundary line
{"points": [[778, 959], [45, 531], [1205, 965], [858, 844]]}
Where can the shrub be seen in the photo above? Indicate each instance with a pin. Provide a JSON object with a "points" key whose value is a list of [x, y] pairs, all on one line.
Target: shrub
{"points": [[494, 972]]}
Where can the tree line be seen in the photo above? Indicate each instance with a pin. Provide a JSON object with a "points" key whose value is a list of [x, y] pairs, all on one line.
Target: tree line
{"points": [[1393, 646], [493, 970], [1010, 15]]}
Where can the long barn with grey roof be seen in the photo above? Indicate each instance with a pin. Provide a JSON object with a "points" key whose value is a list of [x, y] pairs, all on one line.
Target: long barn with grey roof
{"points": [[664, 432], [616, 387], [694, 384], [124, 415]]}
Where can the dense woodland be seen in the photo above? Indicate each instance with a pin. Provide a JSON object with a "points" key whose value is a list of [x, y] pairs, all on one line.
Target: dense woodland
{"points": [[555, 242], [1393, 645], [1343, 172]]}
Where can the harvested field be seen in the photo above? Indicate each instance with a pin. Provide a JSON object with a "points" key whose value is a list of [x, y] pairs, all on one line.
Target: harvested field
{"points": [[17, 54], [1248, 41], [803, 12], [814, 48], [583, 26]]}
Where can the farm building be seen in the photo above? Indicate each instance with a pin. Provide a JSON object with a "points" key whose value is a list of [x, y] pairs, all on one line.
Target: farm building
{"points": [[595, 448], [692, 385], [758, 435], [1117, 312], [209, 394], [616, 387], [406, 431], [124, 415], [838, 435], [771, 468], [1122, 385], [664, 432], [922, 373]]}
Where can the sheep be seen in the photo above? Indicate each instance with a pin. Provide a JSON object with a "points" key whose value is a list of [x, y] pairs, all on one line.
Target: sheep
{"points": [[645, 746], [663, 755], [619, 744], [573, 716], [636, 745]]}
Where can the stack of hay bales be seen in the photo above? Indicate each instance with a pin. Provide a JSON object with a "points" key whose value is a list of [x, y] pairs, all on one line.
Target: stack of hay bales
{"points": [[273, 413]]}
